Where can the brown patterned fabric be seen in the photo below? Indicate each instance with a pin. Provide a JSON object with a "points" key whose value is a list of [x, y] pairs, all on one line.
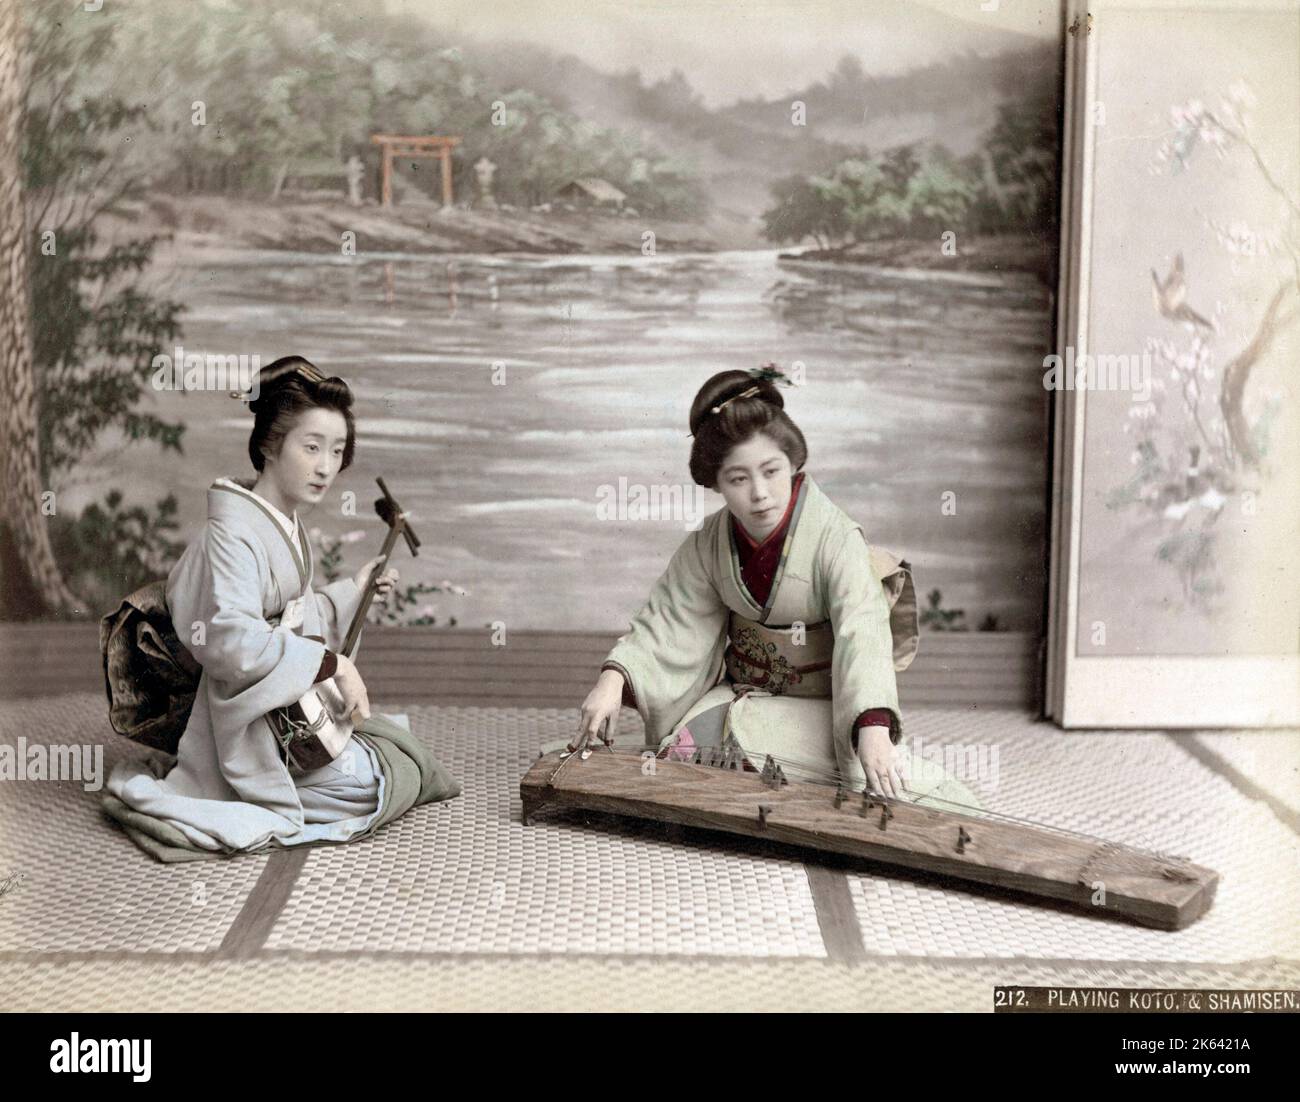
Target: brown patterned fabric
{"points": [[149, 676], [772, 660]]}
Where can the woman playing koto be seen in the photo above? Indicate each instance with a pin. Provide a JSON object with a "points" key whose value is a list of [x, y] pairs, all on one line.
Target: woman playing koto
{"points": [[775, 625], [242, 602]]}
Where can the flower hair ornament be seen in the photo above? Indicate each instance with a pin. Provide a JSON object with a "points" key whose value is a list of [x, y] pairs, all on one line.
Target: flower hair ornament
{"points": [[768, 373]]}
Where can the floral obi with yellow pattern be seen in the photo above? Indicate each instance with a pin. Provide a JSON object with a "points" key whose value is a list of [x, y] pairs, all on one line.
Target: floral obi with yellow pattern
{"points": [[784, 661]]}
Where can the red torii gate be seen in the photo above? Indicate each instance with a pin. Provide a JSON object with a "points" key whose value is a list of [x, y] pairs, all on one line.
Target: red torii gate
{"points": [[398, 145]]}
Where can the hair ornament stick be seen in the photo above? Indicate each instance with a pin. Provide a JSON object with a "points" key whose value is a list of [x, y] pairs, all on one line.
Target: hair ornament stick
{"points": [[768, 373], [743, 394], [288, 365]]}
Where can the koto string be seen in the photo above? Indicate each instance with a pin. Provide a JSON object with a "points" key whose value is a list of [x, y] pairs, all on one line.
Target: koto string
{"points": [[835, 777]]}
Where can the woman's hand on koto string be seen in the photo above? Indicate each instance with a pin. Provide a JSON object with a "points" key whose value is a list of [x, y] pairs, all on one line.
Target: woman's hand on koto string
{"points": [[600, 710], [881, 762]]}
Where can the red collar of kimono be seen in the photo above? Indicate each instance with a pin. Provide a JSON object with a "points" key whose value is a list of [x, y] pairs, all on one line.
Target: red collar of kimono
{"points": [[758, 561]]}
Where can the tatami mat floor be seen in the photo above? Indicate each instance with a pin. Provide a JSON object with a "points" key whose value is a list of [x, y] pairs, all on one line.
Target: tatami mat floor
{"points": [[460, 905]]}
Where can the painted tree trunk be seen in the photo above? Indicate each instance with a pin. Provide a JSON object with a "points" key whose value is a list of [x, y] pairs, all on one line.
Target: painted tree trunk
{"points": [[20, 489]]}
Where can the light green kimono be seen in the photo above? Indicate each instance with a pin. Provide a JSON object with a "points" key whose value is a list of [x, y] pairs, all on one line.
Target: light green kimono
{"points": [[673, 654]]}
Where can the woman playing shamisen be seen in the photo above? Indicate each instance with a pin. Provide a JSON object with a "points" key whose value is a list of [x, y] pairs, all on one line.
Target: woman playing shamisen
{"points": [[242, 603]]}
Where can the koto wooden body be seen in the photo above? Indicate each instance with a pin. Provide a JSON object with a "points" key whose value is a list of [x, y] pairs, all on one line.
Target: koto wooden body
{"points": [[1168, 893]]}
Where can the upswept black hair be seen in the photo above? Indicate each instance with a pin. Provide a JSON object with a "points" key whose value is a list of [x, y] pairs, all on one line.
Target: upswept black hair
{"points": [[737, 421], [288, 388]]}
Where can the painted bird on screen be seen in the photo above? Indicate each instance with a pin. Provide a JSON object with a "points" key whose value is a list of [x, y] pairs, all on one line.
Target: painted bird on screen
{"points": [[1171, 297]]}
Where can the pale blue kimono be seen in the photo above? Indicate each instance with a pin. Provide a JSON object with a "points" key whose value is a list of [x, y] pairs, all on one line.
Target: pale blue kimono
{"points": [[229, 789]]}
